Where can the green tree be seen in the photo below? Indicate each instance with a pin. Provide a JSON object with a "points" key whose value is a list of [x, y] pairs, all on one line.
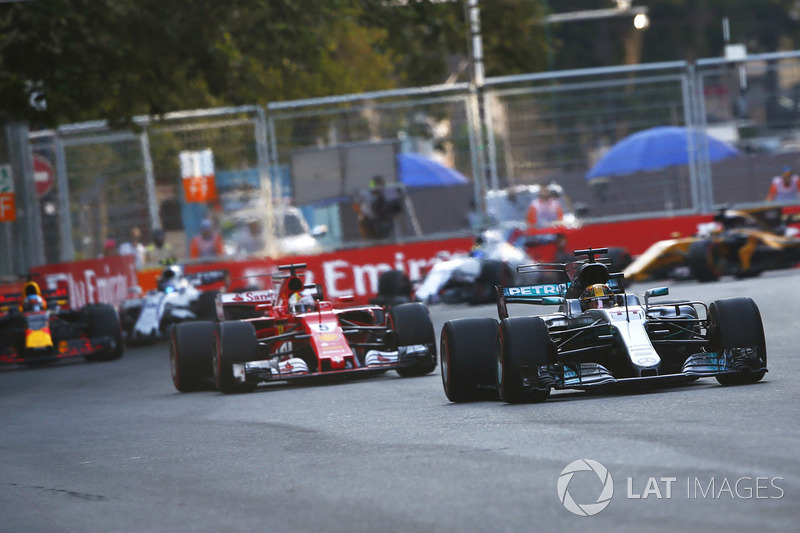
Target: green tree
{"points": [[86, 59]]}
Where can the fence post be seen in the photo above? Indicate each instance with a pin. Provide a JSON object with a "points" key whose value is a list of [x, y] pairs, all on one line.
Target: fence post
{"points": [[6, 229], [30, 241], [478, 114], [64, 211], [491, 142], [687, 86], [704, 156], [264, 178], [150, 180]]}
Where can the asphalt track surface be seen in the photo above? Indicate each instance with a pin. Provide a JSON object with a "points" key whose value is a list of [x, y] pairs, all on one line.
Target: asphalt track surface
{"points": [[113, 447]]}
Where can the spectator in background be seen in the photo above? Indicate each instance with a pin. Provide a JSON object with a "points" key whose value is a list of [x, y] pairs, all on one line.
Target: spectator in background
{"points": [[378, 208], [135, 247], [109, 248], [159, 252], [251, 241], [562, 254], [207, 244], [784, 188], [546, 209]]}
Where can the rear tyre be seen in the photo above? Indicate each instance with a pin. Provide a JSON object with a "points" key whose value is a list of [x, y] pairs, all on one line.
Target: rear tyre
{"points": [[620, 259], [191, 347], [207, 306], [394, 288], [468, 362], [234, 343], [736, 323], [523, 345], [492, 273], [104, 322], [412, 326], [705, 260]]}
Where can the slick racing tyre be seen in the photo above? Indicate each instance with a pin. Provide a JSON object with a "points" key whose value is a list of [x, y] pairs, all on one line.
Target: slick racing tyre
{"points": [[468, 362], [412, 326], [523, 345], [207, 306], [705, 260], [104, 322], [191, 347], [492, 273], [394, 288], [235, 342], [736, 323]]}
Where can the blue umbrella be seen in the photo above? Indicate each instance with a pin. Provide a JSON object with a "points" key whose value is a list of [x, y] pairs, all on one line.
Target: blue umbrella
{"points": [[419, 171], [654, 149]]}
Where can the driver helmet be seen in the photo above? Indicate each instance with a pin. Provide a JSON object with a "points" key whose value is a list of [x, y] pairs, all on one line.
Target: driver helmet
{"points": [[169, 277], [597, 296], [34, 302], [302, 304]]}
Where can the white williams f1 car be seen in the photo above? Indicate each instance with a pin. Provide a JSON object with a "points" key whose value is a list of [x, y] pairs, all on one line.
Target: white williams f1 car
{"points": [[179, 298], [600, 336]]}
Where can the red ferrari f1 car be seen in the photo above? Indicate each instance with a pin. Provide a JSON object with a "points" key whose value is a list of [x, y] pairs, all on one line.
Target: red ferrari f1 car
{"points": [[37, 327], [292, 333]]}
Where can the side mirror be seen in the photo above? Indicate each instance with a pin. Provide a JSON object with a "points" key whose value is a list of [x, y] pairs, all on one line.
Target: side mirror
{"points": [[552, 300], [658, 291]]}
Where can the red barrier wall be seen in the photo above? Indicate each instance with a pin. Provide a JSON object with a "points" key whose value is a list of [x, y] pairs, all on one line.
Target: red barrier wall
{"points": [[352, 271], [103, 280], [346, 272]]}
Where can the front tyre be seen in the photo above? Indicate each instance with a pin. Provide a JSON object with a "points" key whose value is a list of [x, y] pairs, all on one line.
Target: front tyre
{"points": [[234, 343], [191, 347], [104, 322], [523, 345], [467, 355], [411, 325], [736, 323]]}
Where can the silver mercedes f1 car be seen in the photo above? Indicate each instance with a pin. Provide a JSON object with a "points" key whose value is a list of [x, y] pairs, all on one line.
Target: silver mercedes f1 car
{"points": [[599, 336]]}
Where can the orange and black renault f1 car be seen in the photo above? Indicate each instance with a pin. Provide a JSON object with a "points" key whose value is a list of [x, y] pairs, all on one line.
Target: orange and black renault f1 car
{"points": [[292, 333], [38, 327], [741, 243]]}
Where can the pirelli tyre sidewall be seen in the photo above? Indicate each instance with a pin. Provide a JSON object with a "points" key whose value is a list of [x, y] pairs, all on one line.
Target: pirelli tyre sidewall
{"points": [[467, 354], [103, 321], [234, 343], [736, 323], [191, 347], [411, 325], [523, 345]]}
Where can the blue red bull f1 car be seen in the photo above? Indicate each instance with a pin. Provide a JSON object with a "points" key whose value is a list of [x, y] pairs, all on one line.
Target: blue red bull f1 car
{"points": [[38, 327]]}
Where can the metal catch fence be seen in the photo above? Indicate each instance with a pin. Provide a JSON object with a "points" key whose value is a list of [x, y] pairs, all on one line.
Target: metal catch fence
{"points": [[298, 167]]}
